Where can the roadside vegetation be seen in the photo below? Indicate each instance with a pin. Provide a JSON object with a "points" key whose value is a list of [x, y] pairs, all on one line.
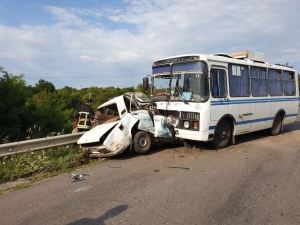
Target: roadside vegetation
{"points": [[33, 166]]}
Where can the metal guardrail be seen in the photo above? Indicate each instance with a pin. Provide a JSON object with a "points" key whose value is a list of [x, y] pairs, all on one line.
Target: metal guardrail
{"points": [[38, 144]]}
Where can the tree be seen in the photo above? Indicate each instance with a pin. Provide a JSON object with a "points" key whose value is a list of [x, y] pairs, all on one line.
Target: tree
{"points": [[47, 112], [13, 92], [42, 85], [139, 88]]}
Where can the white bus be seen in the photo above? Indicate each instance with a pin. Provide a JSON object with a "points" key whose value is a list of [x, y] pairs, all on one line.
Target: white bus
{"points": [[219, 96]]}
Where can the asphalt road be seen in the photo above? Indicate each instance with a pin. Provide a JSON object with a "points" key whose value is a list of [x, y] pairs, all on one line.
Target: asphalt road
{"points": [[255, 181]]}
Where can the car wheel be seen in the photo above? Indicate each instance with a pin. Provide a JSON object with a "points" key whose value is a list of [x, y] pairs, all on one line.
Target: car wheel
{"points": [[142, 142]]}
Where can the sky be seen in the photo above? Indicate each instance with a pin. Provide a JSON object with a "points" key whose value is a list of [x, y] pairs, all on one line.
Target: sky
{"points": [[107, 43]]}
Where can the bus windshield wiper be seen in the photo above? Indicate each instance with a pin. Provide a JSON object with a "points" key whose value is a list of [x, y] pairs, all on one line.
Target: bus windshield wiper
{"points": [[181, 96]]}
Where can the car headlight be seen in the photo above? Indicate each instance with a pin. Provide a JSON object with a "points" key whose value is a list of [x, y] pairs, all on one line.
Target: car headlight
{"points": [[186, 124]]}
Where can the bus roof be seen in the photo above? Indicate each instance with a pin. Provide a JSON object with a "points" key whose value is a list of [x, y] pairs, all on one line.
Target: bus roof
{"points": [[247, 57]]}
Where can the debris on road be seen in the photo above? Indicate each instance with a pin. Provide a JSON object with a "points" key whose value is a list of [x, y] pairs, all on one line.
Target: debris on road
{"points": [[77, 176]]}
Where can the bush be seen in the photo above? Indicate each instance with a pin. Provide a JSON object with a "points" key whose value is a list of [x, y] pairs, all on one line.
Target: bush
{"points": [[56, 160]]}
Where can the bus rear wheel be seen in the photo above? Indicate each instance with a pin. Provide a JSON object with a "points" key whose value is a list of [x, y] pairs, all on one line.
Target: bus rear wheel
{"points": [[142, 142], [222, 135], [276, 127]]}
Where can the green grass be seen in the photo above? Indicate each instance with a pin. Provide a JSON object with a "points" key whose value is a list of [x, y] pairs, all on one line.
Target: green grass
{"points": [[39, 165]]}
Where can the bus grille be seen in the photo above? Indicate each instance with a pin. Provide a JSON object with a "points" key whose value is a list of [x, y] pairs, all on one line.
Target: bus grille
{"points": [[190, 116]]}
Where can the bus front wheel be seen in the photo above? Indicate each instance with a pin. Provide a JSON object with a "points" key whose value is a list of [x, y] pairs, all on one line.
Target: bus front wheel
{"points": [[222, 135]]}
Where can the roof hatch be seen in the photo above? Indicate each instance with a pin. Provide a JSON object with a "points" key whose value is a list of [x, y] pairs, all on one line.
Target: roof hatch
{"points": [[254, 56]]}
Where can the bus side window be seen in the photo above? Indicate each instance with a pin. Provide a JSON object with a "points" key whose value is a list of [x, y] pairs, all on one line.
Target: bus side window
{"points": [[218, 83], [289, 86]]}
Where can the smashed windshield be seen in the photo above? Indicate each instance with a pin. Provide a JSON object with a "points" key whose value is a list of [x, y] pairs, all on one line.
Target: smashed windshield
{"points": [[189, 81], [141, 97]]}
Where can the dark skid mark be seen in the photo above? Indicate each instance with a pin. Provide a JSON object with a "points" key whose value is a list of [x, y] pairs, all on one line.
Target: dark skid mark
{"points": [[178, 167]]}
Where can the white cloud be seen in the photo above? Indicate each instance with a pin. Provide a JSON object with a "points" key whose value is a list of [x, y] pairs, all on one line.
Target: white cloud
{"points": [[125, 55], [124, 41], [66, 17], [87, 57], [291, 50]]}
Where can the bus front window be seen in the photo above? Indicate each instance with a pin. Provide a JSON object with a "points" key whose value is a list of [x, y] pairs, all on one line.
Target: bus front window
{"points": [[189, 81]]}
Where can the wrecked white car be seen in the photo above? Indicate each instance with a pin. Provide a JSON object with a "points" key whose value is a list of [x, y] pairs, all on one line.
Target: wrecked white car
{"points": [[127, 121]]}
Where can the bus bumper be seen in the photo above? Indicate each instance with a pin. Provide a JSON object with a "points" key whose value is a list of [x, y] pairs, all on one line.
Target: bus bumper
{"points": [[194, 135]]}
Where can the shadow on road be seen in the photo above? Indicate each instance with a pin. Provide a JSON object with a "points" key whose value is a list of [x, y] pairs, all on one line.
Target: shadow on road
{"points": [[109, 214], [292, 127], [131, 154], [262, 134]]}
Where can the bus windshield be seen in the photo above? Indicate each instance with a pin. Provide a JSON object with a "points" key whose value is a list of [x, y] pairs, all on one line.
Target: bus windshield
{"points": [[189, 81]]}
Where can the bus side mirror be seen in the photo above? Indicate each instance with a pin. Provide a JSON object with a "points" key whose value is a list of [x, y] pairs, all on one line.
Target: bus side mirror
{"points": [[145, 83]]}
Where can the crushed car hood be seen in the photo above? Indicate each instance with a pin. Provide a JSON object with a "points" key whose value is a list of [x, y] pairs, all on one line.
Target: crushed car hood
{"points": [[96, 133]]}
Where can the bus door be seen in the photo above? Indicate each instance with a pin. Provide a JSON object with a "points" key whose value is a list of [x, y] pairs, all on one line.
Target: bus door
{"points": [[219, 100]]}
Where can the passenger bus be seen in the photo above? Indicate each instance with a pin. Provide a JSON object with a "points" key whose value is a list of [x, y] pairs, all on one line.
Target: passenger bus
{"points": [[215, 97]]}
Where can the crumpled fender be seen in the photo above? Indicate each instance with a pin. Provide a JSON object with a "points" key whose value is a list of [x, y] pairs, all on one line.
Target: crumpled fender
{"points": [[96, 133], [120, 137]]}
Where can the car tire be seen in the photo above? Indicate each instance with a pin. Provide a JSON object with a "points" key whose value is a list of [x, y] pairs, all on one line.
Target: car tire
{"points": [[142, 142]]}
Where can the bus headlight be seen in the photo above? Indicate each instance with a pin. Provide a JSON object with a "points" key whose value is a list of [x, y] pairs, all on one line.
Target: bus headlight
{"points": [[186, 124]]}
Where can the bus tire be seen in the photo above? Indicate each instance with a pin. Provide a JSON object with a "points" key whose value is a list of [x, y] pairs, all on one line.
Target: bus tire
{"points": [[276, 127], [142, 142], [222, 135]]}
